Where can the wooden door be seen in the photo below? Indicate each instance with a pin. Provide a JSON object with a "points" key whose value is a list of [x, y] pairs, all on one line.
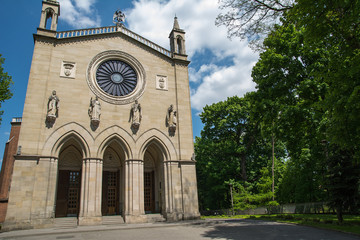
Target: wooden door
{"points": [[73, 202], [68, 193], [110, 193], [62, 191], [149, 196]]}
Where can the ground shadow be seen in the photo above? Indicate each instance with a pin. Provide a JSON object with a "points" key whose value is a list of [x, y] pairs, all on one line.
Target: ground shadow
{"points": [[246, 229]]}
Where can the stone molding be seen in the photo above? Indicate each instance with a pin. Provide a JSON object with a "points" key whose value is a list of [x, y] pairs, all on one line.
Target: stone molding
{"points": [[94, 147], [90, 159], [122, 56], [55, 140], [116, 133], [134, 160]]}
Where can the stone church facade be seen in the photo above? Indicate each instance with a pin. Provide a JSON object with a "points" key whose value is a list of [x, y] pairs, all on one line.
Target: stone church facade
{"points": [[106, 129]]}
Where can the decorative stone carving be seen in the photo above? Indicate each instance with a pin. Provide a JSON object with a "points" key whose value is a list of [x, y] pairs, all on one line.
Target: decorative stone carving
{"points": [[121, 56], [94, 111], [68, 69], [193, 157], [135, 115], [118, 18], [52, 108], [171, 119], [161, 83]]}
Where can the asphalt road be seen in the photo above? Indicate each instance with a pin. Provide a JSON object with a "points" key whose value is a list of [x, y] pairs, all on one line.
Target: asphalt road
{"points": [[210, 229]]}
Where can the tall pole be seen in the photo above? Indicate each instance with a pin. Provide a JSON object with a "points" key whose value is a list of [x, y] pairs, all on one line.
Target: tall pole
{"points": [[232, 200], [273, 164]]}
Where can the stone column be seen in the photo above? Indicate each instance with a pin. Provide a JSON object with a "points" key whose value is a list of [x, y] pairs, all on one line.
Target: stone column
{"points": [[52, 189], [189, 190], [173, 194], [134, 191], [91, 187], [44, 191]]}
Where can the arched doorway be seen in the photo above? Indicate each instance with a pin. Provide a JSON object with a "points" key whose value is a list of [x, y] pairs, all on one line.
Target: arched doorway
{"points": [[153, 179], [113, 180], [69, 179]]}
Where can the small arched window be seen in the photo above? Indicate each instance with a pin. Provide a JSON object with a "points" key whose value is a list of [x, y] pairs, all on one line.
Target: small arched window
{"points": [[179, 45], [48, 18]]}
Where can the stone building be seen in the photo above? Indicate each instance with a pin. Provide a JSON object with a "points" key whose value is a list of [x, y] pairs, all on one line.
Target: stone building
{"points": [[106, 129]]}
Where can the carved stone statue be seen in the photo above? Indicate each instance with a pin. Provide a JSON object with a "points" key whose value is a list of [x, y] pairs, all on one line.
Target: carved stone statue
{"points": [[119, 17], [171, 119], [174, 119], [52, 107], [135, 115], [94, 111]]}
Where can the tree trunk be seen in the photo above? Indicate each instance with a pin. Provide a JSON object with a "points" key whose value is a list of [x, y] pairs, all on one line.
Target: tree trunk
{"points": [[243, 167], [339, 214]]}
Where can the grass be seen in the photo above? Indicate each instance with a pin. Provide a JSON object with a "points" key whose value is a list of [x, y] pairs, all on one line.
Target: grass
{"points": [[351, 223]]}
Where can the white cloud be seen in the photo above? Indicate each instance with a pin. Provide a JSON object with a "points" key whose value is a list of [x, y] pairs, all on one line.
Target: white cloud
{"points": [[197, 75], [79, 13], [85, 5], [225, 82], [215, 81]]}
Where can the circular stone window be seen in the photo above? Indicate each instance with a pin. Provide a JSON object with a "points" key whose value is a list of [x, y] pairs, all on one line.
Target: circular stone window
{"points": [[116, 77]]}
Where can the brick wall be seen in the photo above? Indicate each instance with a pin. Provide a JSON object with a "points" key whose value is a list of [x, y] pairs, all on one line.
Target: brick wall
{"points": [[7, 166]]}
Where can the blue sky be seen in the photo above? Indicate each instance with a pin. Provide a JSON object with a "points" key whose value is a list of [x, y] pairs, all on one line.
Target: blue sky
{"points": [[219, 67]]}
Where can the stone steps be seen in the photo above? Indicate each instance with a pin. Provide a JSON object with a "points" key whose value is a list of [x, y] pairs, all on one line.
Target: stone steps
{"points": [[66, 222], [155, 217], [112, 220]]}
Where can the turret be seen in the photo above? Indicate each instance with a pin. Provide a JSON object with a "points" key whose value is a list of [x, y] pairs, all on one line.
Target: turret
{"points": [[177, 41], [49, 18]]}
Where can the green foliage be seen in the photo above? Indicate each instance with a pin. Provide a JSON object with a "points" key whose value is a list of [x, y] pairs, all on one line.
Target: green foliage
{"points": [[230, 147], [287, 103], [336, 26], [253, 196], [342, 183], [5, 82], [307, 102]]}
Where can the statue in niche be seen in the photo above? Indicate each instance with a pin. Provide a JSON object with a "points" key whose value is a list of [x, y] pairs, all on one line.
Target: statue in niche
{"points": [[94, 111], [135, 115], [171, 119], [52, 107]]}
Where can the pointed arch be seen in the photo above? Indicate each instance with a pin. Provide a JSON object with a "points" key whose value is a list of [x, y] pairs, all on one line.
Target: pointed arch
{"points": [[160, 140], [114, 134], [64, 133]]}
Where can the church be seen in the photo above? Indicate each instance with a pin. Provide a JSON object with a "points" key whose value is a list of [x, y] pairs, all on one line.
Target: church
{"points": [[106, 132]]}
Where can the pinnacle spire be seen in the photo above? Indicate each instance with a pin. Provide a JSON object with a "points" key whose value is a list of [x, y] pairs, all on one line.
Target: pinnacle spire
{"points": [[176, 23]]}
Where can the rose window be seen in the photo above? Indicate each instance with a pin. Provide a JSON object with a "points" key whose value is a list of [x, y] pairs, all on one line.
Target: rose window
{"points": [[116, 78]]}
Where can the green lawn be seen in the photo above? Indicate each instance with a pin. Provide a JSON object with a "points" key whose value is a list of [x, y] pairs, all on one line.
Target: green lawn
{"points": [[351, 223]]}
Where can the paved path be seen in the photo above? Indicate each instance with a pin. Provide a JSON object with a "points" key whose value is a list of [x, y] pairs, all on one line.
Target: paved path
{"points": [[191, 230]]}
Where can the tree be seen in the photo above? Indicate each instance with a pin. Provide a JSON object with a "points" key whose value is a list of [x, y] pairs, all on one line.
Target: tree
{"points": [[251, 19], [308, 83], [230, 147], [337, 25], [221, 150], [286, 102], [5, 82], [342, 182]]}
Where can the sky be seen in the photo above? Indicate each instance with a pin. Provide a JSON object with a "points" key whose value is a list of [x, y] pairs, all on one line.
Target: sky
{"points": [[219, 68]]}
